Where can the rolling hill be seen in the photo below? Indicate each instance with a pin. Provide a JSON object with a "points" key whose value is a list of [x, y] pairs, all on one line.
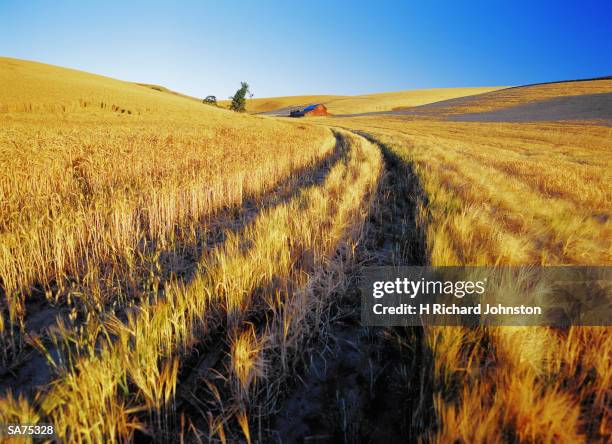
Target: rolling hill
{"points": [[570, 96], [72, 143], [391, 100], [267, 104], [359, 103]]}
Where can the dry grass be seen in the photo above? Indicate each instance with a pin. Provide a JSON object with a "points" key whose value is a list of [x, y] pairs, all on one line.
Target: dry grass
{"points": [[513, 194], [498, 193]]}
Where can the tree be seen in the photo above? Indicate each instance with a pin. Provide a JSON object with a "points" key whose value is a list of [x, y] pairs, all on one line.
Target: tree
{"points": [[239, 99]]}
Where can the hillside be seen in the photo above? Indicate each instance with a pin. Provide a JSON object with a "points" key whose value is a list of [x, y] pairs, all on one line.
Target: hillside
{"points": [[391, 100], [165, 90], [585, 94], [41, 88], [73, 143], [359, 103], [266, 104]]}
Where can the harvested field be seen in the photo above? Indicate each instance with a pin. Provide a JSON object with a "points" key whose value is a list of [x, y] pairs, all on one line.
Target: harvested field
{"points": [[583, 107], [577, 100]]}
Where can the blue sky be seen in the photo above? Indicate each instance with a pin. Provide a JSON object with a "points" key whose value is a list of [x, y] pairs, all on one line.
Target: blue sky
{"points": [[300, 47]]}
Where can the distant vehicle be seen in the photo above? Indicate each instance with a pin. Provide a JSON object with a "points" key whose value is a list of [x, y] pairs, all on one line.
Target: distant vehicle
{"points": [[210, 100], [312, 110]]}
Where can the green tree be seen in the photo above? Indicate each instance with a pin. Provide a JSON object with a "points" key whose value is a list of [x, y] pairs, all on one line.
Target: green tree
{"points": [[239, 99]]}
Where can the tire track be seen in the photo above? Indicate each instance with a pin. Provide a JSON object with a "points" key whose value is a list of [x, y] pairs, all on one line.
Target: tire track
{"points": [[368, 384]]}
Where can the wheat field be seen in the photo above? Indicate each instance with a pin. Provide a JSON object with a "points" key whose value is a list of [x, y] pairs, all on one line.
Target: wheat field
{"points": [[364, 103], [263, 104], [510, 97], [144, 222], [388, 101], [169, 269], [512, 194], [104, 182]]}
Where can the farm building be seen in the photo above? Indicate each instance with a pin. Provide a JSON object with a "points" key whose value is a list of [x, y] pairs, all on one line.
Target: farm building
{"points": [[312, 110]]}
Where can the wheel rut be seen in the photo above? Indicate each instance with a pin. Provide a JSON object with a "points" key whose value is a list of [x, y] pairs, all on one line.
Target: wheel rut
{"points": [[367, 384]]}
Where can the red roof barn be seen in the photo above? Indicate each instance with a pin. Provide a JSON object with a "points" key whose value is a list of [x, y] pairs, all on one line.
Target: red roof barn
{"points": [[312, 110]]}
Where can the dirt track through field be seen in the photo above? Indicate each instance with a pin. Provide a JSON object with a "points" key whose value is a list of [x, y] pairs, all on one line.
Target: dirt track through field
{"points": [[350, 391], [208, 360]]}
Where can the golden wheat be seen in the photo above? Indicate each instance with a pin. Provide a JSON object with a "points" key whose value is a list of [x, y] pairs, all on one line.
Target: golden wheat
{"points": [[90, 196], [145, 350], [500, 193], [156, 225]]}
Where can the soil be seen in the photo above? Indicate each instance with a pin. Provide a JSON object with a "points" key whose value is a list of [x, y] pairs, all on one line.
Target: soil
{"points": [[360, 388], [582, 107], [585, 107]]}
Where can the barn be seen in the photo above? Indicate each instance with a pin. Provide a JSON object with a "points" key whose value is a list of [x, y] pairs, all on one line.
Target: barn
{"points": [[312, 110]]}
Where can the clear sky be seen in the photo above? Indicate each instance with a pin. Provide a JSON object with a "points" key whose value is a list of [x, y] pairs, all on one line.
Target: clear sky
{"points": [[293, 47]]}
